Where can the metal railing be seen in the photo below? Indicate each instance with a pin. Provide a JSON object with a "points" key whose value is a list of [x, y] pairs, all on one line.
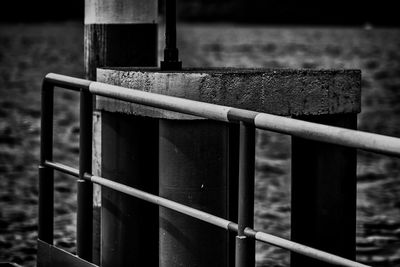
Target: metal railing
{"points": [[248, 120]]}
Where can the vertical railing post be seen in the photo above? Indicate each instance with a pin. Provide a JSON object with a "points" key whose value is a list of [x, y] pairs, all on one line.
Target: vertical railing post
{"points": [[85, 188], [46, 174], [245, 247], [233, 185]]}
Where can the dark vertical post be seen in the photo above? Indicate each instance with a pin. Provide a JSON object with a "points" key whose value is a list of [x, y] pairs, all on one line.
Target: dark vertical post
{"points": [[324, 194], [245, 247], [170, 28], [46, 174], [124, 33], [85, 187], [171, 53]]}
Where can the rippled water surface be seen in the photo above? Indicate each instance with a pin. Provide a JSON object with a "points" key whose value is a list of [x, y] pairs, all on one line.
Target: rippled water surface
{"points": [[28, 52]]}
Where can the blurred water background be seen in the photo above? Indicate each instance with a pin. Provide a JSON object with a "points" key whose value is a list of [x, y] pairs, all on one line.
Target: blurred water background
{"points": [[29, 51]]}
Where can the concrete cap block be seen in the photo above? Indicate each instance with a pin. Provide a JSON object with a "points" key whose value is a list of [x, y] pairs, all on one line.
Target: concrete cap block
{"points": [[283, 92]]}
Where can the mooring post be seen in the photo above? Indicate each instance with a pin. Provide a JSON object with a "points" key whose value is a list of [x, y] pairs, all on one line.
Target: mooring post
{"points": [[124, 33], [324, 193]]}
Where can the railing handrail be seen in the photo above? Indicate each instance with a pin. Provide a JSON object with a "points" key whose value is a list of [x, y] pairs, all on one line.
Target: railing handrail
{"points": [[381, 144], [313, 131]]}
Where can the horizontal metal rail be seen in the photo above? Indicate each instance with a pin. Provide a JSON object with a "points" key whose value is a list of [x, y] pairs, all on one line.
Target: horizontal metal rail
{"points": [[301, 249], [212, 219], [225, 224], [308, 130], [204, 216], [62, 168]]}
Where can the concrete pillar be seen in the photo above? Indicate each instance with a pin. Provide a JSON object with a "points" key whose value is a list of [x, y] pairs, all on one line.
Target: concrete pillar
{"points": [[323, 213], [123, 33], [329, 96], [194, 156]]}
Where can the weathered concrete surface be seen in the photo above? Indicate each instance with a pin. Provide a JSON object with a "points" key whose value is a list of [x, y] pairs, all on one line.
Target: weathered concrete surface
{"points": [[120, 12], [277, 91]]}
